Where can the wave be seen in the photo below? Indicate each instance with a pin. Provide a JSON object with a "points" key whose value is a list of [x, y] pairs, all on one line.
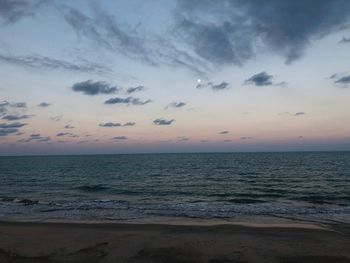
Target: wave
{"points": [[92, 188], [24, 201], [246, 201]]}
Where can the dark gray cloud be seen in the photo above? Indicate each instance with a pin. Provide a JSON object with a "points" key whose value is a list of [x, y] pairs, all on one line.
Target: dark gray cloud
{"points": [[127, 101], [135, 89], [110, 124], [344, 40], [233, 31], [14, 117], [120, 138], [10, 108], [175, 104], [345, 81], [162, 121], [90, 87], [68, 126], [129, 124], [113, 124], [60, 134], [11, 125], [7, 131], [210, 41], [260, 79], [45, 63], [300, 113], [12, 11], [224, 132], [44, 104], [68, 134], [221, 86]]}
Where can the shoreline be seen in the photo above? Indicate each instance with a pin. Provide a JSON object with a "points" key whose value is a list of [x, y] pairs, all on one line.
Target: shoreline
{"points": [[215, 241], [256, 222]]}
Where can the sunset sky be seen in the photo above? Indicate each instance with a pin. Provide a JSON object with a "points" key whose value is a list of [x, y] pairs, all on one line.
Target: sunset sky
{"points": [[174, 76]]}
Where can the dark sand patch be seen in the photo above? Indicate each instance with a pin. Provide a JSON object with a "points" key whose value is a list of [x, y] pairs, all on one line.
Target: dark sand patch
{"points": [[147, 243], [315, 259], [90, 254]]}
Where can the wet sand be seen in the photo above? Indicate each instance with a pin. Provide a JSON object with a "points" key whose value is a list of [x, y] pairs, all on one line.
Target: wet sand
{"points": [[173, 242]]}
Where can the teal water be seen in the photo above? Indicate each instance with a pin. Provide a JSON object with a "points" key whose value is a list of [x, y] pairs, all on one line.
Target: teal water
{"points": [[310, 186]]}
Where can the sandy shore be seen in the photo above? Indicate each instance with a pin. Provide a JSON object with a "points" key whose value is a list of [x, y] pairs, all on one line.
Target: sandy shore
{"points": [[175, 242]]}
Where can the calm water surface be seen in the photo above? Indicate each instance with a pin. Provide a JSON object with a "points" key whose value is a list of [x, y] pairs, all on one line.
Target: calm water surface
{"points": [[310, 186]]}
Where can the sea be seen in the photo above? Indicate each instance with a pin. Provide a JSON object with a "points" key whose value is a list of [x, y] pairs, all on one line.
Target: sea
{"points": [[311, 186]]}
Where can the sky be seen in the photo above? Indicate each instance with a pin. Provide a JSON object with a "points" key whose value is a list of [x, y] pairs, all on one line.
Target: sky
{"points": [[103, 77]]}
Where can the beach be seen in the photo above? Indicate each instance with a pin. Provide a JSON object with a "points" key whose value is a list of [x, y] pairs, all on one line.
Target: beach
{"points": [[187, 241], [213, 207]]}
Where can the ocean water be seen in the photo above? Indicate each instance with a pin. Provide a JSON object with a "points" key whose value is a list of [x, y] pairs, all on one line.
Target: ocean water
{"points": [[308, 186]]}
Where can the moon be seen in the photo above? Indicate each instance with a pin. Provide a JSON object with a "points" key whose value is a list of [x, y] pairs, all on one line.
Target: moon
{"points": [[199, 80]]}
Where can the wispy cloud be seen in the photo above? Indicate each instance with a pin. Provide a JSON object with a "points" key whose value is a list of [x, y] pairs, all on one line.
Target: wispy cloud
{"points": [[210, 85], [36, 137], [46, 63], [107, 33], [68, 126], [175, 104], [18, 105], [135, 89], [127, 101], [344, 40], [56, 118], [224, 132], [104, 30], [7, 131], [286, 113], [162, 121]]}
